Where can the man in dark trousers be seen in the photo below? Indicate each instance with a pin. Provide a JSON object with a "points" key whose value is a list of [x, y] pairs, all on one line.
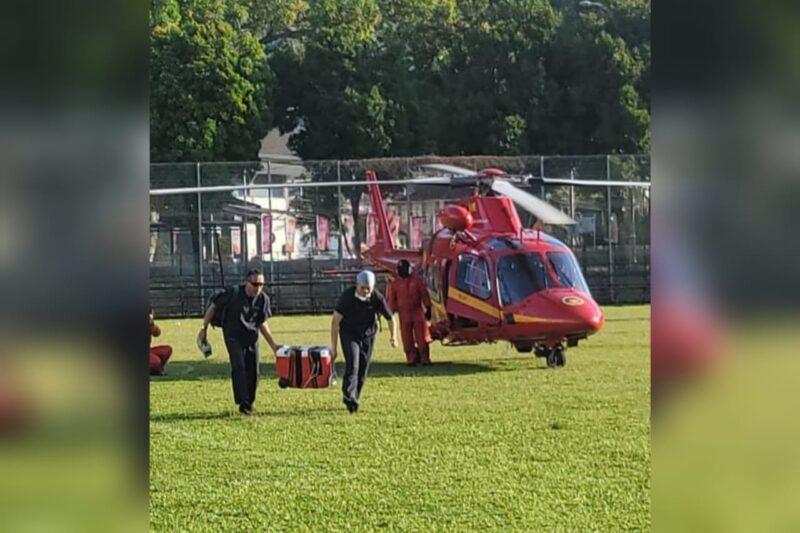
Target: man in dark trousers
{"points": [[245, 311], [355, 322], [408, 297]]}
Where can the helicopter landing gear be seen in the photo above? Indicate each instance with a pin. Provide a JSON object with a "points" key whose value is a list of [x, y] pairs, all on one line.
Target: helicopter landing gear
{"points": [[541, 351], [554, 354], [556, 357]]}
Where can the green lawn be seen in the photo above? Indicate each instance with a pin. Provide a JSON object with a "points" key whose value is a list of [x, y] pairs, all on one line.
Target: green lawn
{"points": [[485, 438]]}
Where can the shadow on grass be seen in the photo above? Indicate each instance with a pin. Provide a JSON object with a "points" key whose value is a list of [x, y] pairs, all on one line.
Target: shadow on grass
{"points": [[264, 412], [218, 369], [170, 417]]}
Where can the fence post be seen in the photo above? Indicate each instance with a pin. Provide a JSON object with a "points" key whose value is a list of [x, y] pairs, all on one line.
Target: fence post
{"points": [[314, 244], [409, 211], [271, 218], [200, 241], [572, 208], [611, 291], [245, 246], [541, 175], [339, 212], [342, 236], [633, 224], [311, 283]]}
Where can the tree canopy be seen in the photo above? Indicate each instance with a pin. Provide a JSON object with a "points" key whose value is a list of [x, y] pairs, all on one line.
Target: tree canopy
{"points": [[375, 78], [210, 90]]}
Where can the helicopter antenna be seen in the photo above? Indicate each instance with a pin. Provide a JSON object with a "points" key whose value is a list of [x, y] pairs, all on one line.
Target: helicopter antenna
{"points": [[537, 226]]}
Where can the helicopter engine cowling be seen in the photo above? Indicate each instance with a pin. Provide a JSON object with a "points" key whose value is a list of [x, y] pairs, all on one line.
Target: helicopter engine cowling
{"points": [[455, 218]]}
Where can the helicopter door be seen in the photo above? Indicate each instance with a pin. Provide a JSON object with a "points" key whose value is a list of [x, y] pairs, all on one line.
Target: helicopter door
{"points": [[444, 286], [435, 288], [470, 293]]}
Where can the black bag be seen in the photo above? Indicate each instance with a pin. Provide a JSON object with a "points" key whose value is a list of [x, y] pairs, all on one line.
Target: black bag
{"points": [[221, 300]]}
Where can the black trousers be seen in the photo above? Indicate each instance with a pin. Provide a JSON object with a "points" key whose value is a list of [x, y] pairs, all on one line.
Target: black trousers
{"points": [[244, 370], [357, 356]]}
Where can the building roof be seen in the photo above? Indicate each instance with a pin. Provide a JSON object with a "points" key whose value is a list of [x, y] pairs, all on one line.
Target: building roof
{"points": [[275, 145]]}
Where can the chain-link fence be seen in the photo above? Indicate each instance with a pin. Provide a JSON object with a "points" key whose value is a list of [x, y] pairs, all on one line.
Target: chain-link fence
{"points": [[307, 240]]}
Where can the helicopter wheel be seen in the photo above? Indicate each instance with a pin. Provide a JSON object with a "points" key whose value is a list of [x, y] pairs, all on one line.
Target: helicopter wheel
{"points": [[561, 356], [556, 357]]}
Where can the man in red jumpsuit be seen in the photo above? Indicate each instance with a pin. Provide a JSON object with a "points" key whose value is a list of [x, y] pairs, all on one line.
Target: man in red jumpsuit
{"points": [[159, 355], [409, 298]]}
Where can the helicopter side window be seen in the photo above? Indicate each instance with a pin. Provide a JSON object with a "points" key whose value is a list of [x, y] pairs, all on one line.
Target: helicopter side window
{"points": [[569, 273], [472, 276], [519, 276]]}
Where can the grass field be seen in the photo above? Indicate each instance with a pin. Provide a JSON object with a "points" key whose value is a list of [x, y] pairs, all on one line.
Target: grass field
{"points": [[484, 439]]}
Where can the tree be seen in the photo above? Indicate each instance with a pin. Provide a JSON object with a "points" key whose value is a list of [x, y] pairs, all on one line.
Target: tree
{"points": [[597, 92], [369, 78], [326, 97], [210, 82]]}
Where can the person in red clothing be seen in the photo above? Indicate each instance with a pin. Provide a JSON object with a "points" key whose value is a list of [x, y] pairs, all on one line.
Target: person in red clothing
{"points": [[159, 355], [409, 298]]}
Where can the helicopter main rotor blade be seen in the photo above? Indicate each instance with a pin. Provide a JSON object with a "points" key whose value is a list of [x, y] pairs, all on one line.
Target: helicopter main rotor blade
{"points": [[450, 169], [297, 185], [434, 180], [538, 208], [456, 181], [591, 183]]}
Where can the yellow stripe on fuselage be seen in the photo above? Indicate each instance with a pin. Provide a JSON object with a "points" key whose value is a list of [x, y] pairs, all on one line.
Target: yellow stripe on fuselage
{"points": [[483, 307], [475, 303], [523, 319]]}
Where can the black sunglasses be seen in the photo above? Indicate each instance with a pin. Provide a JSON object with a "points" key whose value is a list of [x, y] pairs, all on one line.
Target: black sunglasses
{"points": [[255, 283]]}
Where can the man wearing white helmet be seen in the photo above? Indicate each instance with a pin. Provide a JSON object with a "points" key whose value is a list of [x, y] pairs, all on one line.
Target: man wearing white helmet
{"points": [[355, 322]]}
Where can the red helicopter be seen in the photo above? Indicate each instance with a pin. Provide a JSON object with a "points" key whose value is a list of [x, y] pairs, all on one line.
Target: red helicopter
{"points": [[491, 279]]}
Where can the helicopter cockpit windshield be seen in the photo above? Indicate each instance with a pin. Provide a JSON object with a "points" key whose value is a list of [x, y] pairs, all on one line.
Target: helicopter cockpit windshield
{"points": [[566, 268], [520, 275]]}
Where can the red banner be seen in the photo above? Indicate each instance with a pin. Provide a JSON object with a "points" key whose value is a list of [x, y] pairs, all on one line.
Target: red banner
{"points": [[415, 239], [349, 234], [322, 233], [393, 223], [372, 230], [291, 225], [236, 241], [266, 234]]}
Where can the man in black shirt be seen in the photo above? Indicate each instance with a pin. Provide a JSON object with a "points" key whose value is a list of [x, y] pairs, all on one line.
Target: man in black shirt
{"points": [[245, 312], [354, 320]]}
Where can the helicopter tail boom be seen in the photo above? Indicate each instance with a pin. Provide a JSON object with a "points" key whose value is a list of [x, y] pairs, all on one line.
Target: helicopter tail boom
{"points": [[384, 241], [384, 253]]}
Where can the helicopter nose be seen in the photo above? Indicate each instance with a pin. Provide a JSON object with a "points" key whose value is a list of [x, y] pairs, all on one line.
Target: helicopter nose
{"points": [[589, 316], [584, 313], [594, 320]]}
